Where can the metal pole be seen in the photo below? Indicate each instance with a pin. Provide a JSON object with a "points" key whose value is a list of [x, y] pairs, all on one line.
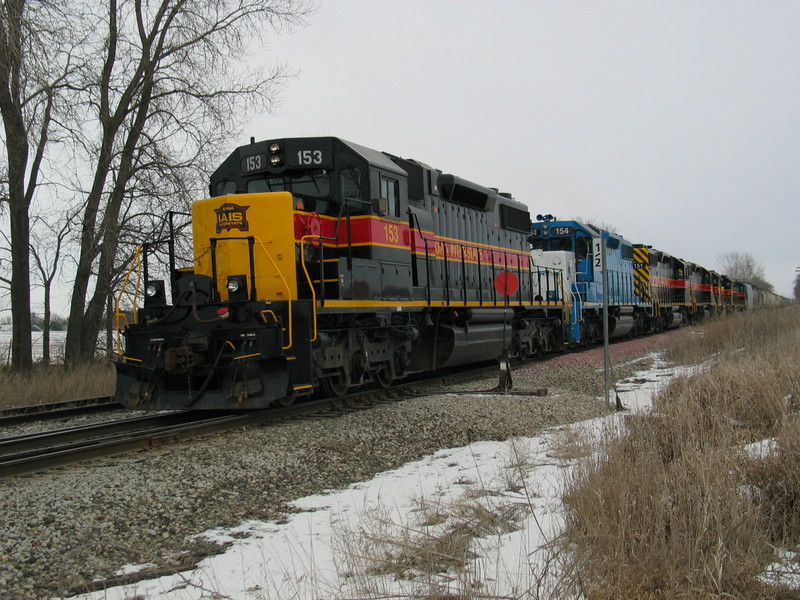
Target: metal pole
{"points": [[606, 355]]}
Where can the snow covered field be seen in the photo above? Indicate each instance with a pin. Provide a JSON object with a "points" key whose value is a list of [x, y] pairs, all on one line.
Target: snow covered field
{"points": [[303, 556], [57, 339]]}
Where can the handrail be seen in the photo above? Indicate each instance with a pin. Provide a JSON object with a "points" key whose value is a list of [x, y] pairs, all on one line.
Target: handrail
{"points": [[463, 274], [136, 263], [425, 240], [310, 284], [288, 293], [568, 299]]}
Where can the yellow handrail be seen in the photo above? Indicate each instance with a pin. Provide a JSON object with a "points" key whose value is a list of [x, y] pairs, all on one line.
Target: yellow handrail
{"points": [[267, 311], [288, 292], [136, 263]]}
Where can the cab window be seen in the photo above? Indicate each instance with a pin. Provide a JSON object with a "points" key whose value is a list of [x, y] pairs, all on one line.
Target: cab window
{"points": [[314, 185], [582, 245], [350, 192], [390, 189], [564, 244], [538, 244], [350, 184], [226, 187], [311, 189]]}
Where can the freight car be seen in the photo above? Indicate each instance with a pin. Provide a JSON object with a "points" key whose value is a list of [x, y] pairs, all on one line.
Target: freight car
{"points": [[321, 264]]}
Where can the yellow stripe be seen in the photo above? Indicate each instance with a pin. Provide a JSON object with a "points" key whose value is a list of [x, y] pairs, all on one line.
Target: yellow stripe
{"points": [[430, 253], [435, 303]]}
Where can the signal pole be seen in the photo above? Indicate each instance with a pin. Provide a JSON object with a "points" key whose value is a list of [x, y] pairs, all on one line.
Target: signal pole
{"points": [[606, 349]]}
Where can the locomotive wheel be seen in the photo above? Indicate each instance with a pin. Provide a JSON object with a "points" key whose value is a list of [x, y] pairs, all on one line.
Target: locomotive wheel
{"points": [[286, 401], [384, 376], [335, 386]]}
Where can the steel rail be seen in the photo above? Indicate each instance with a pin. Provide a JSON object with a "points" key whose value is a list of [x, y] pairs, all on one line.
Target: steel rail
{"points": [[40, 451], [52, 410], [23, 454]]}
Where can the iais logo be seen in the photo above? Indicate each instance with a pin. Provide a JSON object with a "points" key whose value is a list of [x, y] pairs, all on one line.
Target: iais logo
{"points": [[232, 216]]}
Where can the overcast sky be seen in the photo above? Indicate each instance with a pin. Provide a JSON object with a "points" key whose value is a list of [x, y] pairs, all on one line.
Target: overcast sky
{"points": [[676, 122]]}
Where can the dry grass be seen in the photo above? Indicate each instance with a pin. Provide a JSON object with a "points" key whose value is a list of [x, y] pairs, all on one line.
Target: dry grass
{"points": [[761, 329], [55, 383], [570, 443], [653, 516], [429, 554], [671, 507], [774, 481]]}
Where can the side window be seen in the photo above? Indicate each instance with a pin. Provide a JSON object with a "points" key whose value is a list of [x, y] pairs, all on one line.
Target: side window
{"points": [[390, 189], [627, 252]]}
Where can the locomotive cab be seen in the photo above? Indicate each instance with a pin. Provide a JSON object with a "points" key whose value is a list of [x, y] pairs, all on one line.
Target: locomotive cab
{"points": [[584, 242]]}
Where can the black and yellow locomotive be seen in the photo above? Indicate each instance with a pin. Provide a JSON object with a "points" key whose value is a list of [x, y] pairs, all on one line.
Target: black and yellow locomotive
{"points": [[319, 263]]}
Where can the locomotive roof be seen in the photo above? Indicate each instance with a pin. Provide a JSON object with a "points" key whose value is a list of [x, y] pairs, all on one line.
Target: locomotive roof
{"points": [[374, 157]]}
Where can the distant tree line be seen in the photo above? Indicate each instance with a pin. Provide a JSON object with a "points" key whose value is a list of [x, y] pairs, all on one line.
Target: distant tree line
{"points": [[113, 113], [57, 322], [742, 266]]}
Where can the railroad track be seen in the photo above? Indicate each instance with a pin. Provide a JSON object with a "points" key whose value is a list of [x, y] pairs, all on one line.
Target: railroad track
{"points": [[31, 453], [40, 451], [55, 410]]}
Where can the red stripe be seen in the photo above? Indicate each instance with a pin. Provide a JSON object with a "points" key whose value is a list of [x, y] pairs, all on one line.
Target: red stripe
{"points": [[395, 234], [666, 282]]}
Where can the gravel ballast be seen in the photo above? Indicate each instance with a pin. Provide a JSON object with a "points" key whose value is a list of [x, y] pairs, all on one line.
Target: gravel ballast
{"points": [[66, 528]]}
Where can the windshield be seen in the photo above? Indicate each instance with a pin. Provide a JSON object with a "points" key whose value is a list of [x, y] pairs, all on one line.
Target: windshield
{"points": [[309, 185]]}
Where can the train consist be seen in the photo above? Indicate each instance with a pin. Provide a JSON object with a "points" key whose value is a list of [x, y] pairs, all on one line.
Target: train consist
{"points": [[319, 264]]}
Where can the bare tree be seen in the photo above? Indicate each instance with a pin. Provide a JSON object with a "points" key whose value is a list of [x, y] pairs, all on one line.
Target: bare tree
{"points": [[5, 247], [36, 67], [5, 262], [742, 266], [47, 246], [166, 95], [797, 285]]}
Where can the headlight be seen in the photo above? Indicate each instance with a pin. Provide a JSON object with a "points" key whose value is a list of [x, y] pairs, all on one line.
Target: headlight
{"points": [[154, 293], [274, 148], [233, 285]]}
